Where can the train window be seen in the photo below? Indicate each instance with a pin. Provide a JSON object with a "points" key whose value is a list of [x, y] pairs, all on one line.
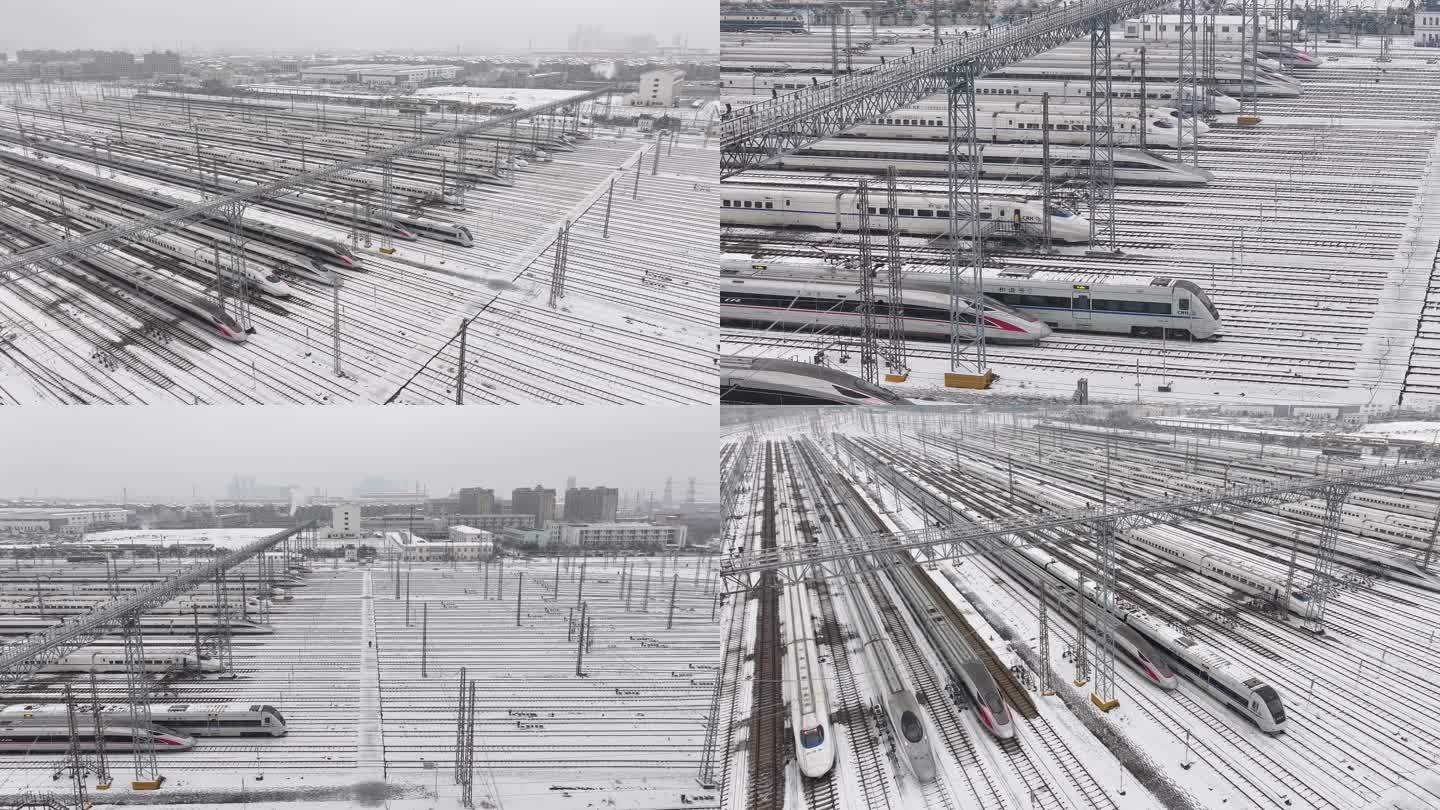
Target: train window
{"points": [[924, 212], [885, 211], [907, 212], [1080, 302], [910, 727], [747, 203], [769, 205], [724, 203], [945, 214], [871, 209], [1184, 304]]}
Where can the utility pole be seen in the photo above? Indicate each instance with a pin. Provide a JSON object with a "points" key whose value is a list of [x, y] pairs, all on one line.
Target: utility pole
{"points": [[580, 641], [460, 368], [674, 585], [519, 592], [335, 324], [424, 636]]}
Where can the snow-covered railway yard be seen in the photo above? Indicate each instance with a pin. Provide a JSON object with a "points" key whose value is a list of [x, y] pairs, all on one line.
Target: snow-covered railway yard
{"points": [[635, 322], [369, 689], [1357, 702], [1316, 239]]}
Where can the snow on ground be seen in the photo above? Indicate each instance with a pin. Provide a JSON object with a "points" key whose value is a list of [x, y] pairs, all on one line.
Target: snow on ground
{"points": [[368, 729], [1408, 430]]}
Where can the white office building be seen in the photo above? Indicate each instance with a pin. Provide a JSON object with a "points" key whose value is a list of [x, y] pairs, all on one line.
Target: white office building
{"points": [[344, 522], [618, 535], [1427, 24], [67, 521], [660, 88]]}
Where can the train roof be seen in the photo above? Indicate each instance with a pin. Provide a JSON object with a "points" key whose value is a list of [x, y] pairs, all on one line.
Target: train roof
{"points": [[811, 370]]}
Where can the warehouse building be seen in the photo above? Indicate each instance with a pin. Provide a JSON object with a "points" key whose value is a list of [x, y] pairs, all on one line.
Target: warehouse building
{"points": [[660, 88], [378, 74]]}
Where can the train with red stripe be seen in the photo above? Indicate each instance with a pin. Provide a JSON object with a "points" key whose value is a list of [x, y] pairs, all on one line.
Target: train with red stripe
{"points": [[838, 306]]}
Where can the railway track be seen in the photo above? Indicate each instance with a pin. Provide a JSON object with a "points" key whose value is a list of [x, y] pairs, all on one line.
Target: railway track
{"points": [[766, 788]]}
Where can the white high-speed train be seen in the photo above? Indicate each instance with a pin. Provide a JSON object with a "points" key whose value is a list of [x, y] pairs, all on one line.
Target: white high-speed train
{"points": [[1015, 126], [919, 214], [159, 625], [771, 381], [1168, 542], [1123, 94], [115, 662], [1227, 76], [809, 704], [43, 729], [831, 304], [997, 161], [1119, 305]]}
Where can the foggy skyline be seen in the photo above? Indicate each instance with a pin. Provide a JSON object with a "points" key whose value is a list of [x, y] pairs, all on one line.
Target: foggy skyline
{"points": [[162, 452], [266, 25]]}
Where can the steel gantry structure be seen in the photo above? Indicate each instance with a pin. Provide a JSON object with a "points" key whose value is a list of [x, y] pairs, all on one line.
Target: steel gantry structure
{"points": [[825, 559], [219, 206], [760, 132]]}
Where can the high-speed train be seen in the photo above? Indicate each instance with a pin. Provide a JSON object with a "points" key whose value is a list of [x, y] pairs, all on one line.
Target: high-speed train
{"points": [[1168, 542], [1197, 663], [1021, 126], [1123, 95], [1072, 68], [816, 304], [41, 729], [968, 670], [1136, 648], [919, 214], [997, 160], [770, 381], [901, 707], [1120, 305], [1366, 521], [158, 625], [815, 741], [115, 662]]}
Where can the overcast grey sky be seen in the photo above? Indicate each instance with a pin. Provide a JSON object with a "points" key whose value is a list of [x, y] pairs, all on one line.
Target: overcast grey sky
{"points": [[263, 25], [156, 451]]}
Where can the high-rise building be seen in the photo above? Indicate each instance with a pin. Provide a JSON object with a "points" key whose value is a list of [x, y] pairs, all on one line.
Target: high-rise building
{"points": [[591, 504], [156, 62], [537, 501], [477, 501]]}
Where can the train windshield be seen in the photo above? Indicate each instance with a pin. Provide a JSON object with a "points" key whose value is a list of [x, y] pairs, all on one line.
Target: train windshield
{"points": [[910, 727], [1272, 702], [1183, 284], [812, 737], [272, 710], [1056, 212], [992, 701]]}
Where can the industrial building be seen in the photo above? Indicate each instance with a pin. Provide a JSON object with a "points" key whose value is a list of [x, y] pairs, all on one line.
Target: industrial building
{"points": [[477, 501], [591, 504], [660, 88], [536, 501], [378, 74], [473, 545], [68, 521]]}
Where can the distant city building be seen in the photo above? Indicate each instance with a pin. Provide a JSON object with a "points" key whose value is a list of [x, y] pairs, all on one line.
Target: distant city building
{"points": [[161, 62], [494, 522], [67, 521], [378, 74], [246, 488], [660, 88], [477, 501], [536, 501], [1427, 24], [377, 489], [591, 504]]}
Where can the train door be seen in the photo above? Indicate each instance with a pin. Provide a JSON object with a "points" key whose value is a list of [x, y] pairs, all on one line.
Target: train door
{"points": [[1080, 306]]}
